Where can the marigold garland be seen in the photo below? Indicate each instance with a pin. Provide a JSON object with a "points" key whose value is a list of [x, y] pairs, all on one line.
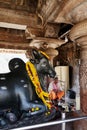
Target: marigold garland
{"points": [[35, 80], [44, 54]]}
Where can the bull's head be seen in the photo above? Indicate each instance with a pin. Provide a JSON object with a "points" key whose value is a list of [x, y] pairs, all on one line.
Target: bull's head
{"points": [[42, 63]]}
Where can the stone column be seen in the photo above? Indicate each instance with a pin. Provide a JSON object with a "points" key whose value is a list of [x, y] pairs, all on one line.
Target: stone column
{"points": [[83, 78], [82, 124], [51, 52]]}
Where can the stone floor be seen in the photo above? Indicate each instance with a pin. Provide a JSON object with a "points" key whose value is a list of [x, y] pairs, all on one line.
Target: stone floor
{"points": [[68, 126]]}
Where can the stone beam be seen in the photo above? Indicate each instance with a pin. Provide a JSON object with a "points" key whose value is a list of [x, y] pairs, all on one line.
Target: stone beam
{"points": [[12, 35], [38, 42], [18, 17], [8, 45]]}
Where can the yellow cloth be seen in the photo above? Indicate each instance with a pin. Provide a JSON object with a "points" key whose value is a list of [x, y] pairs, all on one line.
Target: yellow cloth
{"points": [[56, 95]]}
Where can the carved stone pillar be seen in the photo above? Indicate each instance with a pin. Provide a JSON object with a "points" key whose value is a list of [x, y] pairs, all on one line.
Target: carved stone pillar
{"points": [[78, 34], [51, 52], [83, 78], [82, 124]]}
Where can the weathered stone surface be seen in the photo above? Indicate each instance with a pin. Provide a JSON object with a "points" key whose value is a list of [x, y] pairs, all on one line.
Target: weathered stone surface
{"points": [[81, 124], [83, 85]]}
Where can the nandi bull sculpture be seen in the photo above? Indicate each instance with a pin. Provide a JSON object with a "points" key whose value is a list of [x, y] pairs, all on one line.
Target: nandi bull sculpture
{"points": [[23, 93]]}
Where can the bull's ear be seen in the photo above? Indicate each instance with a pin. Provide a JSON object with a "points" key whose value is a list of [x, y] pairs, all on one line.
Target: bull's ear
{"points": [[36, 54], [32, 61]]}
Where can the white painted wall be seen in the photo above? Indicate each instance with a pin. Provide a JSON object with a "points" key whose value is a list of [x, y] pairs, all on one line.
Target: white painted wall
{"points": [[7, 55]]}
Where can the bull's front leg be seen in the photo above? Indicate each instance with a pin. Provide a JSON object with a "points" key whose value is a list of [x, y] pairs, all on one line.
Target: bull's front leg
{"points": [[30, 107]]}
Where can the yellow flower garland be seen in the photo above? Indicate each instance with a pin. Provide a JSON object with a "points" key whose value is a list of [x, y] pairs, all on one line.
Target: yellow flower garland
{"points": [[44, 54], [35, 80]]}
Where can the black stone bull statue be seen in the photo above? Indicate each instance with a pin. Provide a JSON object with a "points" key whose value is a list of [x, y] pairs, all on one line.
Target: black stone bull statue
{"points": [[18, 95]]}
